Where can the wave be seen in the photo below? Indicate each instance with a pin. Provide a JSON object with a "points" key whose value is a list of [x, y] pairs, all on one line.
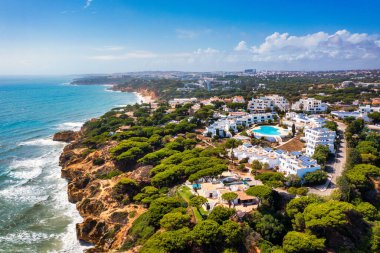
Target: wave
{"points": [[75, 126], [40, 142], [26, 237], [30, 168]]}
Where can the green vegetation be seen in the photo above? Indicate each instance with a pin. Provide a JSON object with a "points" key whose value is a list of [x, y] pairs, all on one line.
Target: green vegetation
{"points": [[296, 242], [272, 179], [162, 144], [321, 154], [317, 177]]}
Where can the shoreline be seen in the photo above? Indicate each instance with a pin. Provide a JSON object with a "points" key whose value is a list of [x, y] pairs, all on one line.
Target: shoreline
{"points": [[83, 218]]}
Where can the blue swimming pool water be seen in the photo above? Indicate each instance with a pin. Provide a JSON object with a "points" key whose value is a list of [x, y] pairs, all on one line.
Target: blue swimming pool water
{"points": [[267, 130]]}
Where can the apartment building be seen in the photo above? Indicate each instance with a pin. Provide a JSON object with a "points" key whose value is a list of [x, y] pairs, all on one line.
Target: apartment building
{"points": [[319, 136], [310, 105], [295, 163]]}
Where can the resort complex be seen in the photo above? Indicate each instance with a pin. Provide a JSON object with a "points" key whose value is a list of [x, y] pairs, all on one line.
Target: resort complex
{"points": [[198, 159]]}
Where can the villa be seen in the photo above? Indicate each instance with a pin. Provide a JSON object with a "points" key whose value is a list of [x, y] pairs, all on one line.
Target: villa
{"points": [[310, 105], [264, 155], [221, 128], [361, 113], [295, 163], [224, 127], [319, 136], [301, 120]]}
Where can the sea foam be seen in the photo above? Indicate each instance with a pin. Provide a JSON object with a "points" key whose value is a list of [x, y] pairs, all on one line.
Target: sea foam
{"points": [[75, 126]]}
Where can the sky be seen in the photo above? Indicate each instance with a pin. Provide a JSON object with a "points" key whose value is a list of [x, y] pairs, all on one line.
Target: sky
{"points": [[39, 37]]}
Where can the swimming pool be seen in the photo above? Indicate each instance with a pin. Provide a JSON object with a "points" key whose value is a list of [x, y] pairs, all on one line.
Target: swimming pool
{"points": [[267, 131]]}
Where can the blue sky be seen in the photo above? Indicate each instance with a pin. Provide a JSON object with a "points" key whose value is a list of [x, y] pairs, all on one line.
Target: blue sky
{"points": [[105, 36]]}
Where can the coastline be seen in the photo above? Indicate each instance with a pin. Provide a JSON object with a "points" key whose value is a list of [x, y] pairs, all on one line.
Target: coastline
{"points": [[75, 169]]}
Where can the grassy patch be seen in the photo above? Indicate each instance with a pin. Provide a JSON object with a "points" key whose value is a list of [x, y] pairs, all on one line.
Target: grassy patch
{"points": [[185, 194]]}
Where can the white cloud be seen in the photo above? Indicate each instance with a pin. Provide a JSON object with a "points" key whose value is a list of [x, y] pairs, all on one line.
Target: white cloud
{"points": [[241, 46], [88, 3], [342, 45], [281, 51]]}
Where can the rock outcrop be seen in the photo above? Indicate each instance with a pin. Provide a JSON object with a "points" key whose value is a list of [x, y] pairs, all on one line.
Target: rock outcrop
{"points": [[106, 220], [65, 136]]}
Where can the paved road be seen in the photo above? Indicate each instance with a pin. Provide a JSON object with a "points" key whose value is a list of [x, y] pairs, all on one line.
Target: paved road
{"points": [[338, 163]]}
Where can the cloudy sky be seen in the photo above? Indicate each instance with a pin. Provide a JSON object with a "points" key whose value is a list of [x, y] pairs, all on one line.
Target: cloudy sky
{"points": [[106, 36]]}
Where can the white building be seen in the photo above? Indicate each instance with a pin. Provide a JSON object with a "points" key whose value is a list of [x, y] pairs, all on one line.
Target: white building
{"points": [[221, 128], [361, 113], [280, 102], [368, 109], [319, 136], [254, 118], [260, 104], [311, 105], [301, 120], [295, 163], [263, 155], [263, 104]]}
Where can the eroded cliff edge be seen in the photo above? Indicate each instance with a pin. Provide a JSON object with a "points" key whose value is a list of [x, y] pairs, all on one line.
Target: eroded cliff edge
{"points": [[106, 220]]}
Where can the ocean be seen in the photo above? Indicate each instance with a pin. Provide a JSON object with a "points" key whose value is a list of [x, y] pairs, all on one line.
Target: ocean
{"points": [[35, 215]]}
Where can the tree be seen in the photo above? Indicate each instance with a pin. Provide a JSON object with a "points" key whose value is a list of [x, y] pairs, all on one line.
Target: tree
{"points": [[317, 177], [231, 144], [270, 228], [161, 206], [221, 214], [293, 180], [321, 154], [197, 201], [125, 186], [332, 125], [298, 205], [330, 214], [175, 221], [360, 173], [272, 179], [353, 158], [229, 197], [262, 192], [232, 232], [368, 211], [375, 116], [375, 239], [293, 130], [169, 241], [206, 233], [296, 242], [256, 165]]}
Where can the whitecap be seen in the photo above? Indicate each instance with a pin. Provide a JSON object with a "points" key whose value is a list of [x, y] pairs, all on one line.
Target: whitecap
{"points": [[40, 142], [26, 237], [75, 126], [26, 169]]}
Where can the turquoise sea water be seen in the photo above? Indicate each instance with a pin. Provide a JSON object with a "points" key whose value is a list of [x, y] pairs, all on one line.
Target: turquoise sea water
{"points": [[267, 130], [35, 215]]}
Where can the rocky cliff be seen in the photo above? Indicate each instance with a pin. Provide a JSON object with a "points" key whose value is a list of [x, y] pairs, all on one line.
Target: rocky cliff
{"points": [[106, 220]]}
